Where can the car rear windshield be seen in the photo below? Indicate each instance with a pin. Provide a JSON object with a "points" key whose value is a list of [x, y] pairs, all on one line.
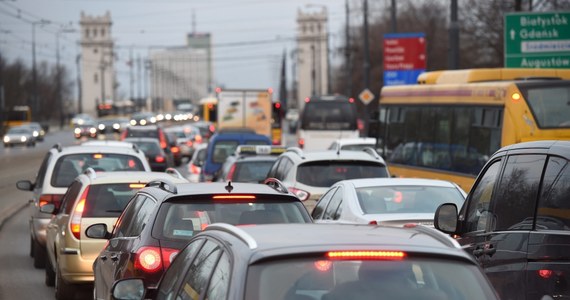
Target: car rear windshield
{"points": [[327, 173], [151, 133], [357, 147], [318, 278], [69, 166], [186, 217], [251, 171], [406, 199], [329, 115], [108, 200], [223, 149], [149, 148]]}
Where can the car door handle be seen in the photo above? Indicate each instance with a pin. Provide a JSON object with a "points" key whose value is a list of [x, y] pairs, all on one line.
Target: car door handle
{"points": [[114, 257]]}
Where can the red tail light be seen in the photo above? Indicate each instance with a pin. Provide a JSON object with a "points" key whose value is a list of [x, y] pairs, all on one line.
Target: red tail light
{"points": [[153, 259], [50, 198], [123, 135], [198, 139], [159, 159], [373, 222], [301, 143], [162, 139], [361, 255], [212, 128], [194, 169], [75, 222], [174, 149], [302, 195], [231, 172], [189, 143], [360, 124], [229, 197]]}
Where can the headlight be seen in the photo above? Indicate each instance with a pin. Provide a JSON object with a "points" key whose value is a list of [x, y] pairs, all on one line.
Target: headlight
{"points": [[77, 131], [101, 126], [116, 126], [168, 117], [6, 139], [153, 120], [159, 117], [92, 130], [133, 122], [36, 133], [23, 139], [143, 122]]}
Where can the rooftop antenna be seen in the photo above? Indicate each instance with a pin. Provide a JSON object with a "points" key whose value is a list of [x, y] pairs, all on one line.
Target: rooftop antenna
{"points": [[229, 187]]}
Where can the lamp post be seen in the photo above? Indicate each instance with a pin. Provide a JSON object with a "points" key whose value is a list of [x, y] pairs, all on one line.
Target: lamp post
{"points": [[34, 105], [58, 74]]}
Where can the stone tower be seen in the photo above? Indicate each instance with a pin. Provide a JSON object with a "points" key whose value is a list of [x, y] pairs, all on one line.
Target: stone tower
{"points": [[97, 71], [312, 54]]}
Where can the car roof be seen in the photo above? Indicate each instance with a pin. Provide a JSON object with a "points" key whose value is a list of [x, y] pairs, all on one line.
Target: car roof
{"points": [[368, 182], [107, 143], [142, 139], [143, 127], [93, 149], [247, 158], [238, 135], [363, 140], [286, 239], [239, 188], [333, 155], [130, 177]]}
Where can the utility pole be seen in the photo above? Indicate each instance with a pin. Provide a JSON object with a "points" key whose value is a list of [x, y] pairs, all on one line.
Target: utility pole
{"points": [[132, 77], [313, 72], [139, 80], [79, 91], [347, 70], [366, 47], [58, 76], [35, 105], [453, 62], [393, 15]]}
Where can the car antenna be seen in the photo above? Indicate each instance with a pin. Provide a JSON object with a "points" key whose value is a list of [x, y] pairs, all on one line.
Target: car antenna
{"points": [[338, 147], [229, 187]]}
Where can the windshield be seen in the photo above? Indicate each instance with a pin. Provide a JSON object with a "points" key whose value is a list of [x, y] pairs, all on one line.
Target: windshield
{"points": [[329, 115], [317, 278], [223, 149], [251, 171], [18, 131], [313, 173], [149, 148], [550, 106], [406, 199], [184, 220], [69, 166], [107, 200]]}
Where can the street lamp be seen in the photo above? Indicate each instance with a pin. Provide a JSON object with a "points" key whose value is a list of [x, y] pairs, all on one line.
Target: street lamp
{"points": [[34, 73], [58, 73]]}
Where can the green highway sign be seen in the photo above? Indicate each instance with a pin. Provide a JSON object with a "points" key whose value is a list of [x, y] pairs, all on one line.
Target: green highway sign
{"points": [[537, 40]]}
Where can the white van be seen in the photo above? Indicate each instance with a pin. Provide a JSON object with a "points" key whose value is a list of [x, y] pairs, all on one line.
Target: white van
{"points": [[325, 119]]}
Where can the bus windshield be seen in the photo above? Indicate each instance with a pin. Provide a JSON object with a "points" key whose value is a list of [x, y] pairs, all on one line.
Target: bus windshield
{"points": [[550, 105], [329, 115]]}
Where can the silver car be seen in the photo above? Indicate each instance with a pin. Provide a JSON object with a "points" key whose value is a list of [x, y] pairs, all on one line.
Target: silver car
{"points": [[22, 135], [386, 201]]}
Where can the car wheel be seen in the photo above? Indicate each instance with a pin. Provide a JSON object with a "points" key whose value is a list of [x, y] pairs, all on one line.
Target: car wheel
{"points": [[63, 290], [39, 256], [50, 274]]}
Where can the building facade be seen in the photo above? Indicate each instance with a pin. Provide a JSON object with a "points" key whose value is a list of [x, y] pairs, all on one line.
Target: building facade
{"points": [[312, 55], [97, 57]]}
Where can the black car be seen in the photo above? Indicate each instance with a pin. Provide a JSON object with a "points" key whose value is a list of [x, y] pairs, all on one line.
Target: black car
{"points": [[161, 219], [516, 220], [249, 163], [317, 261], [158, 159]]}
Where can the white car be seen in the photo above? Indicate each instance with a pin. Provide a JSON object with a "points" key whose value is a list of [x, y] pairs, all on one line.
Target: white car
{"points": [[353, 144], [197, 162], [387, 201]]}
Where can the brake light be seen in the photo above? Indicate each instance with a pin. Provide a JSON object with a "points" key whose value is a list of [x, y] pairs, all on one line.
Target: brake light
{"points": [[148, 259], [364, 255], [227, 197], [198, 139], [373, 222], [231, 172], [50, 198], [159, 159], [301, 143], [175, 149], [75, 223], [212, 128], [323, 265], [162, 139], [124, 134], [302, 195], [168, 256], [189, 143], [360, 124], [545, 273], [194, 169]]}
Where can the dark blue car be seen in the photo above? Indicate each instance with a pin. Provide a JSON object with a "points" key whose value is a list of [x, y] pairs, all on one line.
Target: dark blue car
{"points": [[223, 144]]}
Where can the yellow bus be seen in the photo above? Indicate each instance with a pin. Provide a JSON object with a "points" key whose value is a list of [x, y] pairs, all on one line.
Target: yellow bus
{"points": [[208, 109], [450, 123], [18, 115]]}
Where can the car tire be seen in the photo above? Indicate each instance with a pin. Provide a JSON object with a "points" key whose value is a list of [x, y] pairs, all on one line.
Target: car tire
{"points": [[63, 290], [50, 274], [31, 246], [39, 256]]}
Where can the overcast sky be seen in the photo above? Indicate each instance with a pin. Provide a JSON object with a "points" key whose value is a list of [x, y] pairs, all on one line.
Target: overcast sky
{"points": [[139, 24]]}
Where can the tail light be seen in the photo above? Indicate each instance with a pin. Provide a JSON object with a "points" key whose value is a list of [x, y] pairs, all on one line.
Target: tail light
{"points": [[302, 195], [194, 169], [231, 172], [174, 149], [189, 143], [162, 139], [50, 198], [153, 259], [198, 139], [301, 143], [212, 128], [159, 158], [366, 255], [373, 222], [360, 124], [124, 135], [75, 223]]}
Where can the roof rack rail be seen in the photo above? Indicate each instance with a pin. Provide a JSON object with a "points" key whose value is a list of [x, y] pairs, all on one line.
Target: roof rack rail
{"points": [[136, 148], [164, 185], [371, 152], [276, 184], [297, 150], [90, 172], [235, 231], [174, 172], [438, 235], [58, 147]]}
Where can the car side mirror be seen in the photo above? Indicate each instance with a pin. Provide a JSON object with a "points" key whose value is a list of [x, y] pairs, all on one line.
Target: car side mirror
{"points": [[25, 185], [48, 208], [128, 289], [446, 218], [98, 231]]}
